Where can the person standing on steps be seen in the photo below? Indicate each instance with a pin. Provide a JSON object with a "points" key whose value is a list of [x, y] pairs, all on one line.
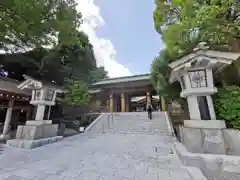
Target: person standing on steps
{"points": [[149, 110]]}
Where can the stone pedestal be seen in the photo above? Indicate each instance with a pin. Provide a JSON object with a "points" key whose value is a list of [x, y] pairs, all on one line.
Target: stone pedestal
{"points": [[35, 134], [200, 136], [193, 139], [213, 141]]}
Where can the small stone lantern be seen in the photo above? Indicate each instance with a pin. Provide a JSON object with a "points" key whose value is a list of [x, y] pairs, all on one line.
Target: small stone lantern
{"points": [[42, 95], [41, 98], [39, 131], [195, 74]]}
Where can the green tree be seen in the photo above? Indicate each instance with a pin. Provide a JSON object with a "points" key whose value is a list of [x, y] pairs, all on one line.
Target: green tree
{"points": [[77, 92], [58, 51], [97, 74], [160, 73], [182, 24], [38, 23], [60, 64], [227, 105]]}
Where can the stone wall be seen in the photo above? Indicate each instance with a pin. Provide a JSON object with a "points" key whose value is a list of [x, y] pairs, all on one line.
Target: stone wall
{"points": [[211, 141], [214, 167]]}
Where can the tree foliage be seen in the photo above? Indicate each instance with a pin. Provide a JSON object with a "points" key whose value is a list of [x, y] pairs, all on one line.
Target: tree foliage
{"points": [[71, 67], [98, 74], [42, 39], [183, 24], [160, 73], [77, 92], [38, 23], [227, 105]]}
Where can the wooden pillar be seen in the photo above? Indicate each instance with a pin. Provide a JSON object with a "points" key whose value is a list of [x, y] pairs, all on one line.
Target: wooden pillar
{"points": [[111, 102], [123, 103], [8, 118], [107, 105], [149, 98], [163, 104], [127, 103]]}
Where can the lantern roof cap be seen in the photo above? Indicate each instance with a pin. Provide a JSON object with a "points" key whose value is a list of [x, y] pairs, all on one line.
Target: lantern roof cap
{"points": [[204, 59], [210, 55], [33, 83]]}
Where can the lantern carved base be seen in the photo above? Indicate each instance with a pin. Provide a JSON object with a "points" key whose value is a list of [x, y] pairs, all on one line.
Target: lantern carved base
{"points": [[204, 136], [35, 134]]}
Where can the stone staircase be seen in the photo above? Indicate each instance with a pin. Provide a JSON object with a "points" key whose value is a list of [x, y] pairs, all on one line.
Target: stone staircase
{"points": [[147, 143], [158, 128], [122, 146], [136, 122]]}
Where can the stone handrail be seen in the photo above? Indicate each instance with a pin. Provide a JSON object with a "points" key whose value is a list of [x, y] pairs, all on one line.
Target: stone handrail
{"points": [[100, 122], [170, 124]]}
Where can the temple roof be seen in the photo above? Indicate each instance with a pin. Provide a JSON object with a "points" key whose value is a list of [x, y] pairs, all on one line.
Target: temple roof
{"points": [[10, 85], [134, 78]]}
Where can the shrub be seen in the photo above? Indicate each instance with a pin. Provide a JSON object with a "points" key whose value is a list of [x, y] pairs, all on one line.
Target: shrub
{"points": [[227, 105]]}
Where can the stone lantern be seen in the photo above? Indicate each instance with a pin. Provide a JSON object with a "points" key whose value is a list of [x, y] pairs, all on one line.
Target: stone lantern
{"points": [[39, 131], [41, 98], [195, 74]]}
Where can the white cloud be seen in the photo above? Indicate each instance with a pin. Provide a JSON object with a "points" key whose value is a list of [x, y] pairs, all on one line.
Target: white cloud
{"points": [[104, 50]]}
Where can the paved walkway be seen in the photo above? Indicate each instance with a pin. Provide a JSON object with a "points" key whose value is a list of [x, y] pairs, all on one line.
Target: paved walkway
{"points": [[131, 147]]}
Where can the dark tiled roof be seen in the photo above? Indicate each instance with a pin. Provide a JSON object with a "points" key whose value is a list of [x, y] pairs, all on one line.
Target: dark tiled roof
{"points": [[134, 78], [10, 85]]}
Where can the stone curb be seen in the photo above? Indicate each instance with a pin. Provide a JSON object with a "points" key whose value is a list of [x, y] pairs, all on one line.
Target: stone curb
{"points": [[30, 144]]}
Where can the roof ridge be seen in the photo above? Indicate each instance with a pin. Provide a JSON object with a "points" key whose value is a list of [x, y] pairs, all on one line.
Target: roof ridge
{"points": [[123, 77], [9, 79]]}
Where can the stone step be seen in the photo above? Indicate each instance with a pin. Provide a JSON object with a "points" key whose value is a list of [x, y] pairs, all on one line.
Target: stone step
{"points": [[133, 123]]}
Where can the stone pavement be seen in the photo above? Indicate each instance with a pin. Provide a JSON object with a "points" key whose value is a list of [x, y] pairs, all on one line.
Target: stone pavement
{"points": [[132, 147]]}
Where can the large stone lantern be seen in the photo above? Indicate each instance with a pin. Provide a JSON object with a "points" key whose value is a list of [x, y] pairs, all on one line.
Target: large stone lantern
{"points": [[195, 74], [42, 96], [39, 131]]}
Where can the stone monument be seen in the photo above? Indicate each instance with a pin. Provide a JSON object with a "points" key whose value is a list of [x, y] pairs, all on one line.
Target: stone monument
{"points": [[195, 74], [37, 132]]}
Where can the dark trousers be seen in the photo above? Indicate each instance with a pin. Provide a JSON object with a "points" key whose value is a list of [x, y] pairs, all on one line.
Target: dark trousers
{"points": [[150, 114]]}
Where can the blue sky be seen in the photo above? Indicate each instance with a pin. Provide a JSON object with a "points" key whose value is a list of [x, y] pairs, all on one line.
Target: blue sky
{"points": [[129, 26]]}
